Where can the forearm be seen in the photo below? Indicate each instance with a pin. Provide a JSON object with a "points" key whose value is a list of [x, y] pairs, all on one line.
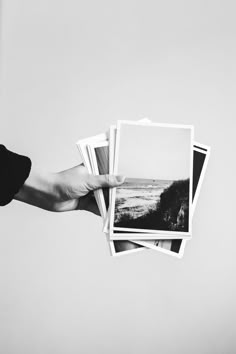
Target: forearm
{"points": [[40, 189]]}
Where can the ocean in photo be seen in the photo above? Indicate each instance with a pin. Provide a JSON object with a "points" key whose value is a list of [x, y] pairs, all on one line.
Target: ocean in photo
{"points": [[137, 197]]}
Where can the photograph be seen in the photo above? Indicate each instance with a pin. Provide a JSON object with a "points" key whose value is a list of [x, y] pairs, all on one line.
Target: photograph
{"points": [[200, 160], [155, 197]]}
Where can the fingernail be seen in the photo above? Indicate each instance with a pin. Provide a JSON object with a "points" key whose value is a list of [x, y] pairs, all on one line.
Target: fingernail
{"points": [[120, 179]]}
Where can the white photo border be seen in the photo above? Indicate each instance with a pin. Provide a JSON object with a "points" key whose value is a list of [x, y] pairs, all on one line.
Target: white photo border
{"points": [[149, 234]]}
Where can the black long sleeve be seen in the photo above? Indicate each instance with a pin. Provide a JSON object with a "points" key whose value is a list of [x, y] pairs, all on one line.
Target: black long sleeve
{"points": [[14, 170]]}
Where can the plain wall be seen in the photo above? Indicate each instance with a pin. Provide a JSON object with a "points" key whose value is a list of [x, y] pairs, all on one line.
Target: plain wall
{"points": [[70, 69]]}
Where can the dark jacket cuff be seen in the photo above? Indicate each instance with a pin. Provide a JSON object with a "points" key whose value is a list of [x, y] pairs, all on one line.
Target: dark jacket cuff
{"points": [[15, 169]]}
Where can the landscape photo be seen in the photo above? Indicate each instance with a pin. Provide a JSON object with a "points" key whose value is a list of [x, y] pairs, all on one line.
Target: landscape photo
{"points": [[157, 161], [153, 204]]}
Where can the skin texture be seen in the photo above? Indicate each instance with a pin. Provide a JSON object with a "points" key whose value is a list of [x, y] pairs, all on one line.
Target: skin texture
{"points": [[67, 190]]}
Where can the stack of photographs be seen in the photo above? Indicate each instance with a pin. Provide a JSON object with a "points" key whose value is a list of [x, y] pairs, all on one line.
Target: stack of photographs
{"points": [[164, 169]]}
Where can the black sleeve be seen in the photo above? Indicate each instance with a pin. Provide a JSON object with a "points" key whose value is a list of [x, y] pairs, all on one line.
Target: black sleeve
{"points": [[14, 170]]}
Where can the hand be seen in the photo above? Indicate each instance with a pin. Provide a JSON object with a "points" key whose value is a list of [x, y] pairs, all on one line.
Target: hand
{"points": [[76, 188], [68, 190]]}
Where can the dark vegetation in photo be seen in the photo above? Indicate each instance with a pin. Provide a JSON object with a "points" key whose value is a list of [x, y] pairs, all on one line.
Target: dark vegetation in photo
{"points": [[171, 212]]}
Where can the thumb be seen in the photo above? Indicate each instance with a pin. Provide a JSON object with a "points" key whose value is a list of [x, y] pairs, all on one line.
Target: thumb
{"points": [[106, 181]]}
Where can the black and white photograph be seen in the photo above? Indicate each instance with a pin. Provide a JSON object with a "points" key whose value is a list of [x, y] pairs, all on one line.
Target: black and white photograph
{"points": [[201, 156], [155, 198]]}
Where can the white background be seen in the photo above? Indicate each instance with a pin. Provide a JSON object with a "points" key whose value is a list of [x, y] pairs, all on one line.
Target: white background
{"points": [[69, 70]]}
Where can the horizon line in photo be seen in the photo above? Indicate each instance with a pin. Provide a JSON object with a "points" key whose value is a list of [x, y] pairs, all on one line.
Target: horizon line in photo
{"points": [[149, 181]]}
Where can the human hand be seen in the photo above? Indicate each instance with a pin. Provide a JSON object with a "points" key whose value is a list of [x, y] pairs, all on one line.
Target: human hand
{"points": [[76, 186], [67, 190]]}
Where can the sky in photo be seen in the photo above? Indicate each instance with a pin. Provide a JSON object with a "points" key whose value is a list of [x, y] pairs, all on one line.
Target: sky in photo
{"points": [[154, 152]]}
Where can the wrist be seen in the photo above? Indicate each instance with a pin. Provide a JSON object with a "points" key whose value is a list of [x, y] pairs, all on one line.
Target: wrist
{"points": [[40, 189]]}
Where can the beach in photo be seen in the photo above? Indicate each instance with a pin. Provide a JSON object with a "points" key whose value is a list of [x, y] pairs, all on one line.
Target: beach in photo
{"points": [[152, 204]]}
